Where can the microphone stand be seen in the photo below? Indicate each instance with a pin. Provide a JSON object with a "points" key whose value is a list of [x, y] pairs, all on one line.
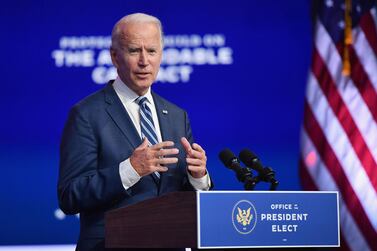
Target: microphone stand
{"points": [[245, 176], [268, 176]]}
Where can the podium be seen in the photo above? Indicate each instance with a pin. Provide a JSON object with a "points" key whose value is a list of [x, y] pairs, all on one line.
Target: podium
{"points": [[227, 219], [168, 221]]}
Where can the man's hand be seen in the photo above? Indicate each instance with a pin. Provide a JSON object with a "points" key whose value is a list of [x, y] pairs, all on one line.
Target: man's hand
{"points": [[196, 158], [148, 159]]}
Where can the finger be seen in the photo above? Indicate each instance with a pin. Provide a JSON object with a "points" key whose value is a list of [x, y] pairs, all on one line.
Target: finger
{"points": [[198, 155], [198, 148], [186, 145], [167, 152], [162, 169], [201, 171], [144, 144], [194, 162], [162, 144], [166, 161]]}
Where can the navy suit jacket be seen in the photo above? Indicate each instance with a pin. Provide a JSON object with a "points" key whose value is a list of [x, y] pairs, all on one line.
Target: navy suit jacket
{"points": [[99, 135]]}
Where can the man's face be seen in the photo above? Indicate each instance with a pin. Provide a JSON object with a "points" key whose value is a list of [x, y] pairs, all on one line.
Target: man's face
{"points": [[138, 55]]}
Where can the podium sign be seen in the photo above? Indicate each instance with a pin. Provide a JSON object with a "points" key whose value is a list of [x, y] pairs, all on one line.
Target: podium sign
{"points": [[230, 219]]}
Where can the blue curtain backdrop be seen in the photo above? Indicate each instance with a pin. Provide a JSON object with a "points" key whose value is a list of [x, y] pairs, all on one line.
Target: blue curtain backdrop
{"points": [[238, 67]]}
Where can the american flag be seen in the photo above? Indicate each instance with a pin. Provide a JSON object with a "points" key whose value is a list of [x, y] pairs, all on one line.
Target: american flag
{"points": [[339, 134]]}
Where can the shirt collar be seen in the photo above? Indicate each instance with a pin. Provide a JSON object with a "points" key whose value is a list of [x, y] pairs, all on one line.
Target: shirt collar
{"points": [[127, 95]]}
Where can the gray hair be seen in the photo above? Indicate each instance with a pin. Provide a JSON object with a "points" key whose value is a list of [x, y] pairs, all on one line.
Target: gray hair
{"points": [[134, 18]]}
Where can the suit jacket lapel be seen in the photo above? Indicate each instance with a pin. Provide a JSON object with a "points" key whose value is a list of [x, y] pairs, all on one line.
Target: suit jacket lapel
{"points": [[120, 116], [163, 117], [122, 119], [165, 122]]}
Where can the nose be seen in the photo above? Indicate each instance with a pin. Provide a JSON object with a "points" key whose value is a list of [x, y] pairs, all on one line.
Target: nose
{"points": [[143, 59]]}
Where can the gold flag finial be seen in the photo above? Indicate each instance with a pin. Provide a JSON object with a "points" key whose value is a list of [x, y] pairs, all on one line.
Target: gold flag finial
{"points": [[347, 38]]}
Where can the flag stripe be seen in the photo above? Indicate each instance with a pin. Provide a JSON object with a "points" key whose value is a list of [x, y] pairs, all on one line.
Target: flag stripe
{"points": [[331, 162], [360, 112], [367, 24], [336, 137], [306, 180], [339, 135], [318, 171], [343, 243], [340, 109], [367, 57], [363, 84]]}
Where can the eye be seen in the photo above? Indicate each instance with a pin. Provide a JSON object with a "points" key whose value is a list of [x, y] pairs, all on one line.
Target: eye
{"points": [[152, 51], [133, 50]]}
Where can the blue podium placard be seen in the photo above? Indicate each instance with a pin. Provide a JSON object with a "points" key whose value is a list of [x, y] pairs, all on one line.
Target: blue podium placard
{"points": [[243, 219]]}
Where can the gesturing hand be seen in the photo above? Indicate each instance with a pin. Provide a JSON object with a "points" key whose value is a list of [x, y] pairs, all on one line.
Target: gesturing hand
{"points": [[148, 159], [196, 158]]}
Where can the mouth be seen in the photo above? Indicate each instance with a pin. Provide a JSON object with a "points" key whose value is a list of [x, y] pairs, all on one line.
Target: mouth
{"points": [[142, 75]]}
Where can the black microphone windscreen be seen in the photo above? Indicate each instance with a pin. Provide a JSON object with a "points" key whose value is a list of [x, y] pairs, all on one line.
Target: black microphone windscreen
{"points": [[227, 156], [250, 159], [247, 156]]}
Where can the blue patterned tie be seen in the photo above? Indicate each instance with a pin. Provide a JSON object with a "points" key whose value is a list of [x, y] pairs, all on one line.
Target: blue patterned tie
{"points": [[146, 123]]}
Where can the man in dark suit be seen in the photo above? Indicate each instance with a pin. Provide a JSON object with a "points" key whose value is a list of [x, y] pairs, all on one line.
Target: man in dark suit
{"points": [[124, 143]]}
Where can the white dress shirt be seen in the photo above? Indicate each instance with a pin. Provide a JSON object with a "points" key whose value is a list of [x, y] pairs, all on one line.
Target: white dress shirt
{"points": [[128, 174]]}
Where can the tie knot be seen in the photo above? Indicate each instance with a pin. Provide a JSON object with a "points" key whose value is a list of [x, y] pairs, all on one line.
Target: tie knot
{"points": [[141, 100]]}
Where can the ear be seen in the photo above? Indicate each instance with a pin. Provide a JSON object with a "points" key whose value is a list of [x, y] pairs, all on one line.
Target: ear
{"points": [[113, 54]]}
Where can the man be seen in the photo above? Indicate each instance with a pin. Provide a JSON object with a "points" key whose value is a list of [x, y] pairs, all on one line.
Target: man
{"points": [[124, 143]]}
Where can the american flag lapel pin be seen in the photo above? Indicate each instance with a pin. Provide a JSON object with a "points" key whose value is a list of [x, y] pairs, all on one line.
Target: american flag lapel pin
{"points": [[165, 111]]}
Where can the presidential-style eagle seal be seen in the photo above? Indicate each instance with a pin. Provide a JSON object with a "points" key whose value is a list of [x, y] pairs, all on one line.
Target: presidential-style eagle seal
{"points": [[244, 217]]}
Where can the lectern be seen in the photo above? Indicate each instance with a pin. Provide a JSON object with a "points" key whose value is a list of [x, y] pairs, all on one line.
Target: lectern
{"points": [[168, 221], [227, 219]]}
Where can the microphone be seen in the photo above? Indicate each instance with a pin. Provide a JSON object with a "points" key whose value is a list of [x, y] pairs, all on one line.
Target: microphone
{"points": [[244, 175], [265, 173]]}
